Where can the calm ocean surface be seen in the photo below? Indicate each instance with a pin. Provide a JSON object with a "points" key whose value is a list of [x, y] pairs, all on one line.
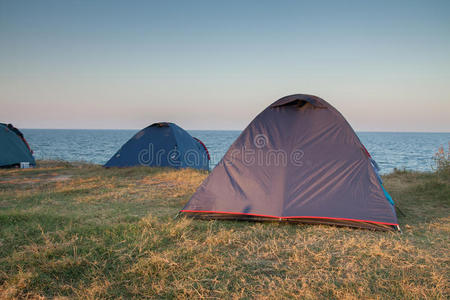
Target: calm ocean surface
{"points": [[413, 151]]}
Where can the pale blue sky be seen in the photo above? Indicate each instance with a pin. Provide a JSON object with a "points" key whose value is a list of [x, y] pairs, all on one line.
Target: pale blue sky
{"points": [[216, 64]]}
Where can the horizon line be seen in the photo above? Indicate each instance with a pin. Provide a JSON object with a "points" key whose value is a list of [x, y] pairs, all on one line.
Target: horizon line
{"points": [[369, 131]]}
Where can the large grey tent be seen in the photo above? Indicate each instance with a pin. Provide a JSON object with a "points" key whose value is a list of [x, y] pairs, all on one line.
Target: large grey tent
{"points": [[298, 160]]}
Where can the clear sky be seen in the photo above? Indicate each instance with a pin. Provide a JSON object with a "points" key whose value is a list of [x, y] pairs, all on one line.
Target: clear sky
{"points": [[216, 64]]}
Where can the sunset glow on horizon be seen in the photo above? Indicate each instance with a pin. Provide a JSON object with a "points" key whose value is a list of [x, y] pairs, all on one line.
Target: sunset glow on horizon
{"points": [[215, 65]]}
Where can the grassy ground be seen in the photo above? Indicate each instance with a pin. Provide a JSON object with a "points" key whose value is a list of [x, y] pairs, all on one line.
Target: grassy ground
{"points": [[81, 231]]}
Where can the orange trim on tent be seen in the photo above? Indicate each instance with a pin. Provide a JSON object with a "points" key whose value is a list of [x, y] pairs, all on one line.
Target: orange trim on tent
{"points": [[291, 217], [204, 146]]}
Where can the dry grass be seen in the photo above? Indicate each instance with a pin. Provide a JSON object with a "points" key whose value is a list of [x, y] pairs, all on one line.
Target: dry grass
{"points": [[110, 233]]}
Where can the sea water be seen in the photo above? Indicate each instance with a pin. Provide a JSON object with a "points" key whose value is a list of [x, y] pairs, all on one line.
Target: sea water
{"points": [[412, 151]]}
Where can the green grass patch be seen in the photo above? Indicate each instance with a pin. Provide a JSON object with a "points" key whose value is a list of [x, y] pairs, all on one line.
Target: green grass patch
{"points": [[82, 231]]}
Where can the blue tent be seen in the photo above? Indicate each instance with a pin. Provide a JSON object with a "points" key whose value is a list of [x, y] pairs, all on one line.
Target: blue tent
{"points": [[162, 144], [14, 148]]}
